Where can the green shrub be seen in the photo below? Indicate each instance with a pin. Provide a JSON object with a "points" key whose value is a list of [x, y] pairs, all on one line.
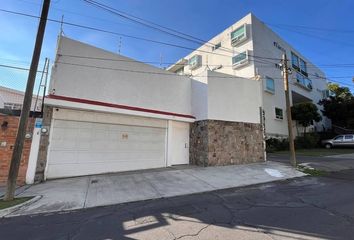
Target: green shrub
{"points": [[276, 144], [310, 140]]}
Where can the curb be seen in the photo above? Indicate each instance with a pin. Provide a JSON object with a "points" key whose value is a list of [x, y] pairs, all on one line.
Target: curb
{"points": [[7, 211]]}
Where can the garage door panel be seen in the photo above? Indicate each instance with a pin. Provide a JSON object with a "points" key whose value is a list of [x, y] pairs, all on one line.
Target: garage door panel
{"points": [[82, 148], [119, 158], [63, 157], [69, 170]]}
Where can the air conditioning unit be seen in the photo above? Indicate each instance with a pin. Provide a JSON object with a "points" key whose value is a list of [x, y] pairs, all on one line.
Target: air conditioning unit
{"points": [[242, 62], [195, 62], [241, 38]]}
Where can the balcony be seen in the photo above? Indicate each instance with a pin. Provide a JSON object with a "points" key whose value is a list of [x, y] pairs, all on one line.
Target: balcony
{"points": [[303, 82]]}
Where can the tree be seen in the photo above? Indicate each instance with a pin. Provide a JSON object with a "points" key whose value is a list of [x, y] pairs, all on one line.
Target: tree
{"points": [[340, 92], [305, 114], [340, 107]]}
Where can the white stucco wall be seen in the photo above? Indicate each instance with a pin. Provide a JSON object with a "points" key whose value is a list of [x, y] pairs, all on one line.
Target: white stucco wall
{"points": [[263, 45], [119, 80], [223, 56], [260, 43], [228, 98]]}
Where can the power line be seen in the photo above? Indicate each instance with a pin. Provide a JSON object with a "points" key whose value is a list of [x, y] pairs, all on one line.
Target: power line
{"points": [[17, 68], [271, 64], [130, 36], [134, 37], [313, 28], [159, 73], [155, 26], [164, 73], [315, 36]]}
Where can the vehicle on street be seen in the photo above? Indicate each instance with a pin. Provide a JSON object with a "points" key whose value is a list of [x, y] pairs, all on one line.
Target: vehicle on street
{"points": [[345, 140]]}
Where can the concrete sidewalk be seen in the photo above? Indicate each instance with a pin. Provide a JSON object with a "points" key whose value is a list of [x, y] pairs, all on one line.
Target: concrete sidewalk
{"points": [[101, 190]]}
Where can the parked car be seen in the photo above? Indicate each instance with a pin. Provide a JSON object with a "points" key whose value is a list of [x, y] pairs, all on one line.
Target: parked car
{"points": [[346, 140]]}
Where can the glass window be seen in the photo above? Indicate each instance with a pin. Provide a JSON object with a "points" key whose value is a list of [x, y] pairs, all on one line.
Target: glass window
{"points": [[240, 57], [270, 86], [303, 67], [180, 71], [295, 60], [304, 81], [238, 33], [216, 46], [12, 106], [278, 113], [348, 137], [339, 138]]}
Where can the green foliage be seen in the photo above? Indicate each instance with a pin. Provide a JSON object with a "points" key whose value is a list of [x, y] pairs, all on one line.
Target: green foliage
{"points": [[276, 144], [339, 108], [340, 92], [310, 140], [305, 114], [312, 171]]}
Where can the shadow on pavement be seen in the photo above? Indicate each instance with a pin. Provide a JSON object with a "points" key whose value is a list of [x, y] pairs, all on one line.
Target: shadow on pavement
{"points": [[305, 208]]}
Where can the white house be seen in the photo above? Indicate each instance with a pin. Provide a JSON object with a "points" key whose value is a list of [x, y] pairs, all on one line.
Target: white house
{"points": [[109, 113], [12, 99], [251, 50]]}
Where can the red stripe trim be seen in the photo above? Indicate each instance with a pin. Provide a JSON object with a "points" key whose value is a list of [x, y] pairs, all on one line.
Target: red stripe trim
{"points": [[86, 101]]}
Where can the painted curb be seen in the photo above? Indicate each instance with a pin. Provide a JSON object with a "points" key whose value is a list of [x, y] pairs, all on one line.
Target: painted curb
{"points": [[7, 211]]}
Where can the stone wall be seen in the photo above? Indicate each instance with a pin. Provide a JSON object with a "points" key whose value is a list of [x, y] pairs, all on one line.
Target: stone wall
{"points": [[8, 134], [217, 143], [43, 144]]}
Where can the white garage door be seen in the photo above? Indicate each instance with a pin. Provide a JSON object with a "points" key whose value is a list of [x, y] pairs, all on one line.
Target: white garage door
{"points": [[82, 148]]}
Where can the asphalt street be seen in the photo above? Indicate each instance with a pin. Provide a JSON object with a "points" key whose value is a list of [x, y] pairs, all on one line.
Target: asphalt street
{"points": [[302, 208], [329, 163]]}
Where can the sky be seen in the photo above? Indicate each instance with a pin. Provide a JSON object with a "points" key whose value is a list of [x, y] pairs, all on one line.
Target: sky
{"points": [[322, 30]]}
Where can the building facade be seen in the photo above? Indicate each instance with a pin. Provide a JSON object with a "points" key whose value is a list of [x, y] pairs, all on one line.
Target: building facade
{"points": [[249, 49], [12, 99], [108, 113]]}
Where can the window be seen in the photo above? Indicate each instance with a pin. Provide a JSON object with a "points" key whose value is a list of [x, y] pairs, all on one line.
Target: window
{"points": [[240, 59], [238, 35], [339, 138], [195, 62], [327, 93], [270, 86], [295, 61], [299, 64], [303, 67], [216, 46], [279, 113], [348, 137], [180, 71], [12, 106], [304, 81]]}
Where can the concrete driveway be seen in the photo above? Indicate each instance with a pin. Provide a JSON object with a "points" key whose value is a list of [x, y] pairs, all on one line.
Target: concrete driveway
{"points": [[109, 189]]}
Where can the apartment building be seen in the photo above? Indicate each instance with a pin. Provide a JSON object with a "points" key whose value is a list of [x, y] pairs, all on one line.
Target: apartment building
{"points": [[249, 49]]}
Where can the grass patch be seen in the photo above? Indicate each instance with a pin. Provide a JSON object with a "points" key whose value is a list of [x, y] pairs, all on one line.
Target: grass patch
{"points": [[319, 152], [313, 172], [16, 201]]}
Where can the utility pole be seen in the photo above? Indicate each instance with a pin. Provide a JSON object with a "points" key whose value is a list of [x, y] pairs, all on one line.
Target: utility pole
{"points": [[288, 111], [27, 101]]}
